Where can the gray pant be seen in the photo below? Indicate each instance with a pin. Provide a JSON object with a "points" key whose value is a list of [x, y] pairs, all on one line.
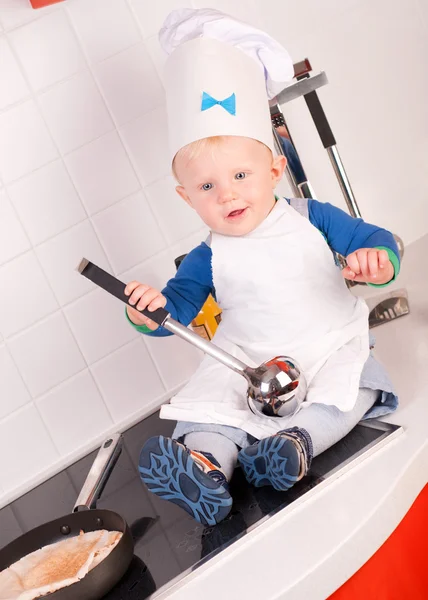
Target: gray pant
{"points": [[325, 424]]}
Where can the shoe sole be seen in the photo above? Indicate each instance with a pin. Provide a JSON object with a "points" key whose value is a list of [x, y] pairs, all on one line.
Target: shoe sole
{"points": [[273, 461], [171, 473]]}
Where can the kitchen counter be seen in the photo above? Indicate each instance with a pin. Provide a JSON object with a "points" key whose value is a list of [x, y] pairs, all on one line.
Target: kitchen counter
{"points": [[299, 544], [311, 547]]}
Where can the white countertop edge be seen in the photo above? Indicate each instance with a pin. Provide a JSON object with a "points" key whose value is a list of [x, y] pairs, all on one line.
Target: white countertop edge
{"points": [[337, 567], [329, 572]]}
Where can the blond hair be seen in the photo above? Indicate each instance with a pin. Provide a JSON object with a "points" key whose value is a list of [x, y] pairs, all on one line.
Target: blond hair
{"points": [[195, 149]]}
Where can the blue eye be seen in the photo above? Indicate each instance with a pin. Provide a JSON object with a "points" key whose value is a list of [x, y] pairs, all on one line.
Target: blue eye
{"points": [[207, 186], [241, 175]]}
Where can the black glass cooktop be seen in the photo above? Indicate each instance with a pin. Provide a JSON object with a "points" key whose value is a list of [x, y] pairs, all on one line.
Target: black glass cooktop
{"points": [[168, 543]]}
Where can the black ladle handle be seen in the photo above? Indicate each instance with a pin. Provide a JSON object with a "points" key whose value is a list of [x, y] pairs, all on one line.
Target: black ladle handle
{"points": [[117, 288]]}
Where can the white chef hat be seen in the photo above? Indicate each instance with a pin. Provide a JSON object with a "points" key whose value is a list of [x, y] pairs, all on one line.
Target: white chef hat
{"points": [[218, 77]]}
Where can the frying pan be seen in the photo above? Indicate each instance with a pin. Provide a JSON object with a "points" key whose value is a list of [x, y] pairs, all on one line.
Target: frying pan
{"points": [[84, 517]]}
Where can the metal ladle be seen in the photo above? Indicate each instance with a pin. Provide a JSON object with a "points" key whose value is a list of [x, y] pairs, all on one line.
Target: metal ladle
{"points": [[276, 388]]}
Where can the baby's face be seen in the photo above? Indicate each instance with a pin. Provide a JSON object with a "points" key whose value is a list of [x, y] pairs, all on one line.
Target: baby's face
{"points": [[231, 185]]}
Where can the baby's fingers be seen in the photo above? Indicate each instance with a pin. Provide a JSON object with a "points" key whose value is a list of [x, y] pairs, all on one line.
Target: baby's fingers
{"points": [[137, 294], [149, 295], [373, 263], [353, 267], [383, 258], [131, 286], [158, 302]]}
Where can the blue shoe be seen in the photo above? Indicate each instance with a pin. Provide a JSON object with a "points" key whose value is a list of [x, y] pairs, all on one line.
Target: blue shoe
{"points": [[192, 480], [279, 461]]}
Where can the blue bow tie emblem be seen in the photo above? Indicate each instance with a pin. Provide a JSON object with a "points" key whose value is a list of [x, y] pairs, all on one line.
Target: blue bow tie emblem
{"points": [[228, 104]]}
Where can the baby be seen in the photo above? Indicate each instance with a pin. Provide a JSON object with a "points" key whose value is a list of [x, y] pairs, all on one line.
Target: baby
{"points": [[269, 262]]}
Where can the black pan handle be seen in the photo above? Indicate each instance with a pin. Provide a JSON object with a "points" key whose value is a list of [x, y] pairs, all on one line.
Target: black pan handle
{"points": [[109, 283], [100, 472]]}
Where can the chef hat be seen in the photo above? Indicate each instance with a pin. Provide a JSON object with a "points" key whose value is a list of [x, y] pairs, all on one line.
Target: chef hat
{"points": [[218, 77]]}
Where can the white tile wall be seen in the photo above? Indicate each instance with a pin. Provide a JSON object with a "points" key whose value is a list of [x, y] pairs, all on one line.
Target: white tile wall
{"points": [[74, 412], [26, 296], [37, 44], [46, 354], [26, 447], [157, 55], [14, 394], [133, 223], [138, 384], [146, 140], [155, 271], [99, 325], [75, 112], [102, 172], [14, 13], [61, 256], [175, 359], [16, 88], [177, 219], [84, 172], [152, 16], [25, 143], [46, 202], [93, 22], [130, 83], [13, 240]]}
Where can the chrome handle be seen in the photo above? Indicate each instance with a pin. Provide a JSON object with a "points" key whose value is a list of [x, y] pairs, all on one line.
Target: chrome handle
{"points": [[99, 473]]}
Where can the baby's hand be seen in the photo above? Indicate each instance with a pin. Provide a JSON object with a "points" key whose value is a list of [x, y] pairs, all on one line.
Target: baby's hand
{"points": [[369, 265], [143, 296]]}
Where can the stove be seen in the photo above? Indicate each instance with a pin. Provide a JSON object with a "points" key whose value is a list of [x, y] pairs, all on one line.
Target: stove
{"points": [[168, 543]]}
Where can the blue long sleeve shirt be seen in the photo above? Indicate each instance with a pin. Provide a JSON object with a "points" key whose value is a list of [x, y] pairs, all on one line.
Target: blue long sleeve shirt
{"points": [[188, 290]]}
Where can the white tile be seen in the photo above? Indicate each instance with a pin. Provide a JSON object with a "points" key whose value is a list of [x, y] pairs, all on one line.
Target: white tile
{"points": [[93, 21], [127, 380], [131, 222], [151, 15], [102, 172], [244, 10], [175, 359], [13, 240], [26, 296], [155, 271], [75, 112], [130, 84], [25, 143], [62, 410], [14, 13], [157, 54], [13, 87], [25, 448], [185, 245], [13, 391], [48, 50], [61, 256], [46, 354], [147, 142], [99, 324], [175, 217], [47, 202]]}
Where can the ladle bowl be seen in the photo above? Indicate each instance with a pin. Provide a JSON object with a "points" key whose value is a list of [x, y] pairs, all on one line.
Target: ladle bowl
{"points": [[276, 388]]}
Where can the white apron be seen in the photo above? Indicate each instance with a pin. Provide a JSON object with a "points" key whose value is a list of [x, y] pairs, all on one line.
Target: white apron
{"points": [[281, 293]]}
